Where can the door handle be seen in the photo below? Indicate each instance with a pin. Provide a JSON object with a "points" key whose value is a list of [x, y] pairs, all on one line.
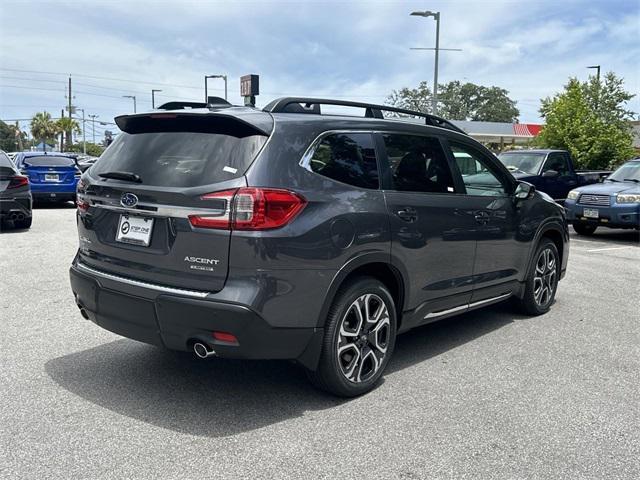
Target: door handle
{"points": [[408, 214], [482, 217]]}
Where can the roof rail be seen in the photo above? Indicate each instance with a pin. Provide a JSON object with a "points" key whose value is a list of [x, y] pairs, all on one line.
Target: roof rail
{"points": [[213, 102], [312, 106]]}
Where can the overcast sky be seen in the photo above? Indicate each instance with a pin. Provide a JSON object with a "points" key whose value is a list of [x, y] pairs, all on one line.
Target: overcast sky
{"points": [[344, 49]]}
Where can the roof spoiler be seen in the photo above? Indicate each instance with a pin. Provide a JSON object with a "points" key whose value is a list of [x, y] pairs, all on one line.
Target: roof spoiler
{"points": [[212, 102]]}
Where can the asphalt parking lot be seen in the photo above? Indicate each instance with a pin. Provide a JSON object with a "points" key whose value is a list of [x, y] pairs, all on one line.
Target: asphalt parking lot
{"points": [[491, 394]]}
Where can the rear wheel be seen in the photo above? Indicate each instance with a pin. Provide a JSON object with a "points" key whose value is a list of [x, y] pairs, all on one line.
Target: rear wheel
{"points": [[359, 339], [542, 280], [584, 228]]}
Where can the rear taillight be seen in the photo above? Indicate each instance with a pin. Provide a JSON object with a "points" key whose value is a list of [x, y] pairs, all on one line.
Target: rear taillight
{"points": [[82, 205], [18, 181], [250, 209]]}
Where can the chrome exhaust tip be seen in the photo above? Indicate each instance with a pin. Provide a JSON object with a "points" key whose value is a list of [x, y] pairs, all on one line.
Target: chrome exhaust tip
{"points": [[202, 351]]}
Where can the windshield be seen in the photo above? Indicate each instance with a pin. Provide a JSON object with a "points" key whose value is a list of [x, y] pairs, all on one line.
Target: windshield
{"points": [[523, 162], [628, 171], [180, 159], [49, 161]]}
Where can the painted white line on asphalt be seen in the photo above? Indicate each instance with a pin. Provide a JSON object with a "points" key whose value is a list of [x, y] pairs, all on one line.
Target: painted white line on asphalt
{"points": [[609, 248]]}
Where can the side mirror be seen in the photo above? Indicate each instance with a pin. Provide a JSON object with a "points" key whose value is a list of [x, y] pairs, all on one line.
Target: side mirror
{"points": [[524, 191], [551, 174]]}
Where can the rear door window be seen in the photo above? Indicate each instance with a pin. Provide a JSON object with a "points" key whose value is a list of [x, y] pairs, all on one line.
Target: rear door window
{"points": [[180, 153], [348, 158], [418, 164]]}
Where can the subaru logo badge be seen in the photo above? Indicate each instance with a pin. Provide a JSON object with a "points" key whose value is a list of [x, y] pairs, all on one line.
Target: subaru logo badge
{"points": [[128, 200]]}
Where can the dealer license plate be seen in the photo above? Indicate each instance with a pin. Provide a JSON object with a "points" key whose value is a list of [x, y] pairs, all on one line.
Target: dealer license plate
{"points": [[134, 230]]}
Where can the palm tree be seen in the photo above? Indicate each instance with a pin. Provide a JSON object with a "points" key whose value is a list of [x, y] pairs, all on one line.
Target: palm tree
{"points": [[68, 125], [43, 128], [19, 136]]}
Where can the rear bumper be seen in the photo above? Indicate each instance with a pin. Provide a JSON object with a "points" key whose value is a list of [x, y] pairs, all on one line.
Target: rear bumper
{"points": [[176, 320], [615, 216], [53, 190], [10, 206]]}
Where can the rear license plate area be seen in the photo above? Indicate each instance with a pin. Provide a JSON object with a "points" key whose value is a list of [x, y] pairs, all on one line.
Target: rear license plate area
{"points": [[134, 230]]}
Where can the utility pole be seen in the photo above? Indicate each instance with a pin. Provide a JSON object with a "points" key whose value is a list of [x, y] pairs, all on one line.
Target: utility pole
{"points": [[597, 68], [153, 98], [93, 127], [61, 133]]}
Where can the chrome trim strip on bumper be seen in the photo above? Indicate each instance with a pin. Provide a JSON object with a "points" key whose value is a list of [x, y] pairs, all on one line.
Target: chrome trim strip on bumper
{"points": [[468, 306], [138, 283]]}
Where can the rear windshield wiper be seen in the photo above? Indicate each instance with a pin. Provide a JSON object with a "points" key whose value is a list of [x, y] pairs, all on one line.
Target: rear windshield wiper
{"points": [[126, 176], [612, 180], [632, 180]]}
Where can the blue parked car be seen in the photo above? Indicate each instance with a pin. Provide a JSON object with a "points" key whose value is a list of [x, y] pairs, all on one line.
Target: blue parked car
{"points": [[53, 175], [615, 203]]}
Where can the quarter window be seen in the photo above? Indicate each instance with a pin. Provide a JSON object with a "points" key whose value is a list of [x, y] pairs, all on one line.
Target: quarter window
{"points": [[418, 164], [347, 158], [478, 175]]}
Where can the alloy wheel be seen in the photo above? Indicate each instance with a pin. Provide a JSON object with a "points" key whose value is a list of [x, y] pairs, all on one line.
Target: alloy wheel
{"points": [[363, 338], [544, 280]]}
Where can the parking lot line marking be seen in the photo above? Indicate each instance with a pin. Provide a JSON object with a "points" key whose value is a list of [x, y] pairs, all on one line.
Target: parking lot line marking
{"points": [[609, 248]]}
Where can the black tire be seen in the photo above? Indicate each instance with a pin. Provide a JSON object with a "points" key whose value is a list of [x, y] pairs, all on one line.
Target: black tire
{"points": [[344, 374], [541, 285], [23, 224], [586, 229]]}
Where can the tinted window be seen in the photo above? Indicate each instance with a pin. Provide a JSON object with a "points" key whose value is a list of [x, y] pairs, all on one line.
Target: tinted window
{"points": [[48, 161], [557, 162], [180, 159], [418, 164], [478, 175], [347, 158]]}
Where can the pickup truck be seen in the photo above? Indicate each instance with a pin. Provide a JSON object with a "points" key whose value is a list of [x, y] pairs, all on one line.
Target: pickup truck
{"points": [[550, 171]]}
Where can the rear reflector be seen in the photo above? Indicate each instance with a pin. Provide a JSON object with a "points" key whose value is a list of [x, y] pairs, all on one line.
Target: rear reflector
{"points": [[250, 209], [18, 181], [225, 337]]}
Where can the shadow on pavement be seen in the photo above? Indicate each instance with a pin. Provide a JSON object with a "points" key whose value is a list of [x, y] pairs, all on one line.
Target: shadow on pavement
{"points": [[609, 236], [51, 205], [218, 398]]}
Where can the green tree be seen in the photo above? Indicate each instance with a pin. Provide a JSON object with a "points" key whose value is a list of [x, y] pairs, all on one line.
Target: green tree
{"points": [[590, 119], [68, 126], [460, 101], [92, 149], [43, 127], [418, 99]]}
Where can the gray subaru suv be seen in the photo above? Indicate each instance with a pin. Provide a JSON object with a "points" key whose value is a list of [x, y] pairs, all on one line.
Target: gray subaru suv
{"points": [[293, 233]]}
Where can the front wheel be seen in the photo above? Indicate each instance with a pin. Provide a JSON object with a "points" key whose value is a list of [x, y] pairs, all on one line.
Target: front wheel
{"points": [[359, 339], [542, 280], [584, 228]]}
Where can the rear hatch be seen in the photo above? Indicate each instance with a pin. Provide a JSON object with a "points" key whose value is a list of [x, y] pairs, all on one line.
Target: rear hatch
{"points": [[50, 169], [139, 222]]}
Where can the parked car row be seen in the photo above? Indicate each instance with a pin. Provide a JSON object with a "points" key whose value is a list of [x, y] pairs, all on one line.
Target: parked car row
{"points": [[35, 176]]}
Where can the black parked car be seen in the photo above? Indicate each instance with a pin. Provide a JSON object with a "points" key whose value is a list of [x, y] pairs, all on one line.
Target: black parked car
{"points": [[15, 195], [286, 233]]}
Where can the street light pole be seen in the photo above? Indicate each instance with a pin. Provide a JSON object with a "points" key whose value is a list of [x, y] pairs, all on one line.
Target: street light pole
{"points": [[597, 67], [153, 97], [134, 101], [436, 17], [93, 126], [206, 94]]}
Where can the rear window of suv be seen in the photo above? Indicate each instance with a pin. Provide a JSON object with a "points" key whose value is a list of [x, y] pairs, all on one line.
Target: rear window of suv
{"points": [[184, 158]]}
